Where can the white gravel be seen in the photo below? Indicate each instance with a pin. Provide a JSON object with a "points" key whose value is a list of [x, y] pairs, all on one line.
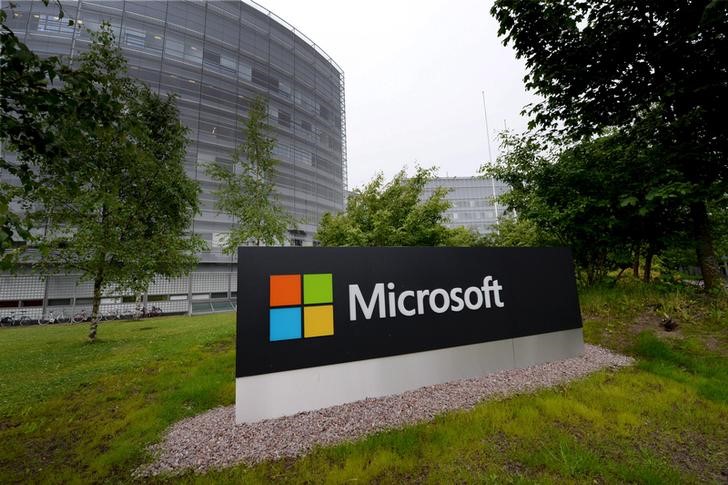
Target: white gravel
{"points": [[213, 440]]}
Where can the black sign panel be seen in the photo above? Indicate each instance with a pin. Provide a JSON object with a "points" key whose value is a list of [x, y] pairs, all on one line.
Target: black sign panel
{"points": [[305, 307]]}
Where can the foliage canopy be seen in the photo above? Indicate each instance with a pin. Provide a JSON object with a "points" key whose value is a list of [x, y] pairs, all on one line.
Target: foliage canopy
{"points": [[655, 68], [30, 101], [119, 216], [247, 188], [394, 214], [591, 196]]}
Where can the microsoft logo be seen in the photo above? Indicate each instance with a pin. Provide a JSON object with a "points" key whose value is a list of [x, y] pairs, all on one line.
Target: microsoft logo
{"points": [[295, 313]]}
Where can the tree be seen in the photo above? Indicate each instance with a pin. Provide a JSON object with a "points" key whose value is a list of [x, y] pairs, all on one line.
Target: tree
{"points": [[463, 237], [719, 214], [30, 101], [389, 214], [590, 196], [120, 216], [654, 66], [517, 232], [247, 189]]}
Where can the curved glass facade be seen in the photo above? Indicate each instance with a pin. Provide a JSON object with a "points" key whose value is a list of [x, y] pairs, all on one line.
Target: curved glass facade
{"points": [[217, 56]]}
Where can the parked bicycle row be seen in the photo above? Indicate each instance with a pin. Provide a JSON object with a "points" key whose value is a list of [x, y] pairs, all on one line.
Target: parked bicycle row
{"points": [[59, 316]]}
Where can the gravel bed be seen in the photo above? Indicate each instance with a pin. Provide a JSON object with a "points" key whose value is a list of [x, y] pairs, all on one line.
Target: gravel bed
{"points": [[213, 440]]}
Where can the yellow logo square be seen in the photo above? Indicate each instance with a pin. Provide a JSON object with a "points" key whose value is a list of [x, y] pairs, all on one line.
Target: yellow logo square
{"points": [[318, 321]]}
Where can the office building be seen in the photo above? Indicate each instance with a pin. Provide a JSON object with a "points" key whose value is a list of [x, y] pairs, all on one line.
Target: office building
{"points": [[217, 56], [473, 201]]}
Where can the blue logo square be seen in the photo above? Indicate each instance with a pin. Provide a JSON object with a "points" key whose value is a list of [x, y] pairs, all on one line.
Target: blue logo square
{"points": [[285, 323]]}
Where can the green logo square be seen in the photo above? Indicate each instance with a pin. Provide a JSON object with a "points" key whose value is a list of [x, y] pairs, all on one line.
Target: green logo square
{"points": [[317, 288]]}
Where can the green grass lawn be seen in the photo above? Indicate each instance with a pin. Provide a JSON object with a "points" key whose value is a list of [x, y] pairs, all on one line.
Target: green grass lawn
{"points": [[77, 412]]}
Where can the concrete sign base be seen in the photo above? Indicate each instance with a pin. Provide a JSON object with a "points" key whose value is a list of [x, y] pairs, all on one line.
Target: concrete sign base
{"points": [[289, 392]]}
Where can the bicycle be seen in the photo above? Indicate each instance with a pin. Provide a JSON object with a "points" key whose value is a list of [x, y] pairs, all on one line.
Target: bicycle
{"points": [[14, 320], [142, 312], [111, 315], [155, 311], [53, 317], [80, 317]]}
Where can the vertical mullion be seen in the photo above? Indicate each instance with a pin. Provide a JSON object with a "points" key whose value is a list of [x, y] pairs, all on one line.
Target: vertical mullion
{"points": [[303, 327]]}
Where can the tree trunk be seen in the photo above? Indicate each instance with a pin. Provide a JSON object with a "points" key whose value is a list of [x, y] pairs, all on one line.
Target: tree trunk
{"points": [[704, 247], [636, 262], [649, 254], [139, 310], [98, 280], [590, 277]]}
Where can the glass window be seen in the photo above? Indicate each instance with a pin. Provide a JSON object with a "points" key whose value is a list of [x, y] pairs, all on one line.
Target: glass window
{"points": [[31, 303], [211, 57], [324, 112], [281, 57], [303, 156], [142, 36], [134, 37], [51, 23], [222, 306], [189, 15], [304, 101], [245, 72], [305, 73], [281, 35], [282, 151], [174, 47], [154, 41], [156, 10], [325, 165], [229, 30], [19, 19], [284, 119], [59, 301], [284, 88], [204, 158], [261, 78], [193, 52], [228, 61]]}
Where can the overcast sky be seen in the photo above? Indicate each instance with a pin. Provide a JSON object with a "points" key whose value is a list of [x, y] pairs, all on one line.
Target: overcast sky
{"points": [[414, 72]]}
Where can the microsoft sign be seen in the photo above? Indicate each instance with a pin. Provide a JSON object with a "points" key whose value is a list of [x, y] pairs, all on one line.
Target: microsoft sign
{"points": [[323, 326], [438, 300]]}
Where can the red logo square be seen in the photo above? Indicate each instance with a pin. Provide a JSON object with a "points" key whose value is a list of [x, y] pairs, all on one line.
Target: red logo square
{"points": [[285, 290]]}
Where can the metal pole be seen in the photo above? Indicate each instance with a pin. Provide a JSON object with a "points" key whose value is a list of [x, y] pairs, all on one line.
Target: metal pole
{"points": [[45, 297], [487, 130], [76, 32], [490, 159], [189, 294], [73, 305]]}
